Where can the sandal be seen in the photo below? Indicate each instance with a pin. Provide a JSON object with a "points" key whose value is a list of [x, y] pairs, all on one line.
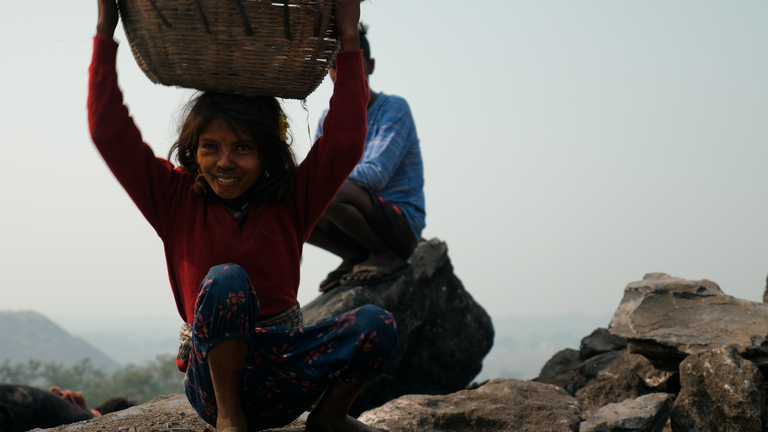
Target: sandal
{"points": [[334, 278]]}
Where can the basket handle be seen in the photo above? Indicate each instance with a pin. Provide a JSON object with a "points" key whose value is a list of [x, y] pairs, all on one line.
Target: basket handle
{"points": [[319, 20], [160, 14], [246, 23], [202, 15]]}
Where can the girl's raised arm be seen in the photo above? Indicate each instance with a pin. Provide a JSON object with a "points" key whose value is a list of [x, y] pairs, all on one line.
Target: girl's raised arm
{"points": [[107, 22]]}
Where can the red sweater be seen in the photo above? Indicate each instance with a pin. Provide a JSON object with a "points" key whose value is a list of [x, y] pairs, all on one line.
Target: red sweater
{"points": [[197, 236]]}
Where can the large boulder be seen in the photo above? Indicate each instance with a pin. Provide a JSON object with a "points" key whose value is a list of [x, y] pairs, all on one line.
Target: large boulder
{"points": [[443, 333], [721, 391], [667, 318], [499, 405]]}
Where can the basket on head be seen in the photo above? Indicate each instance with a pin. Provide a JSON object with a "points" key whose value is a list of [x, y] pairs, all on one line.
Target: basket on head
{"points": [[280, 48]]}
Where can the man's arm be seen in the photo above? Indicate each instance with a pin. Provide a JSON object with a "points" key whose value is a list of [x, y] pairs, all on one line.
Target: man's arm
{"points": [[386, 147]]}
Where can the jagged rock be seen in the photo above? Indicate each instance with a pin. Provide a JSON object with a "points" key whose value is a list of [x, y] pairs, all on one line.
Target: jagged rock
{"points": [[666, 318], [444, 333], [721, 391], [647, 413], [627, 377], [500, 405], [600, 341]]}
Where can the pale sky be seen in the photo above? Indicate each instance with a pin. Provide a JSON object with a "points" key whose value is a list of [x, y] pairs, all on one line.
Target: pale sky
{"points": [[570, 147]]}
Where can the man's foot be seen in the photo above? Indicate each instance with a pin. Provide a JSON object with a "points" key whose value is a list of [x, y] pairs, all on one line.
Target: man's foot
{"points": [[334, 278], [316, 424], [364, 274]]}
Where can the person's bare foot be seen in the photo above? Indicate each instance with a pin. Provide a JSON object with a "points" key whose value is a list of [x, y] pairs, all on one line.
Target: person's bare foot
{"points": [[317, 424], [236, 424]]}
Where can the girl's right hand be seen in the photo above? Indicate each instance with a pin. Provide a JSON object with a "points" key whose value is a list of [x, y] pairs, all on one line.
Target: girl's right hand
{"points": [[107, 22]]}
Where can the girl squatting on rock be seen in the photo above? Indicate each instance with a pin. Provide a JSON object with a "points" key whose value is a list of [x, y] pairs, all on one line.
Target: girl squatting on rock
{"points": [[233, 215]]}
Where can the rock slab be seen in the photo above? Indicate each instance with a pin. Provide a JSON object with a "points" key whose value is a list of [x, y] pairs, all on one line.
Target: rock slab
{"points": [[667, 318], [443, 333]]}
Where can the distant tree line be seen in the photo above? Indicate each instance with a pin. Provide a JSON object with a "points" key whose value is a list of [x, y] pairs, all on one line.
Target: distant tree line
{"points": [[137, 383]]}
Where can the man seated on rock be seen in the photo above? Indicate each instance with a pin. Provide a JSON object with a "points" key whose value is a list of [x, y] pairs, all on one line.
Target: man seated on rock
{"points": [[375, 221], [23, 407]]}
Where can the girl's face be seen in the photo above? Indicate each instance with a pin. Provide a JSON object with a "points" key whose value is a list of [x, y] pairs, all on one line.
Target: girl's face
{"points": [[230, 163]]}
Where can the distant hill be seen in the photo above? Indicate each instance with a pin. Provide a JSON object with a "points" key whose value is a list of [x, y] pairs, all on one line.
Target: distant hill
{"points": [[27, 335]]}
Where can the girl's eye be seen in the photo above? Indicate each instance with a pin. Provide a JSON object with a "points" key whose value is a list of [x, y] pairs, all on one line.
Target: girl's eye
{"points": [[207, 146], [244, 147]]}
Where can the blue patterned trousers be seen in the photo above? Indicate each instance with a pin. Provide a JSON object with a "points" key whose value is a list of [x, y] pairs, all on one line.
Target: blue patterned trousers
{"points": [[286, 370]]}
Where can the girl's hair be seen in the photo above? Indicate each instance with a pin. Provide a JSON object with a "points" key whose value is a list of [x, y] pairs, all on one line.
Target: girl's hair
{"points": [[260, 117]]}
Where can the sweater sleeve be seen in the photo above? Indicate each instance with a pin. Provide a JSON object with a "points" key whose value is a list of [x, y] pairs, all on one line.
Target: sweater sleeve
{"points": [[339, 148], [149, 181]]}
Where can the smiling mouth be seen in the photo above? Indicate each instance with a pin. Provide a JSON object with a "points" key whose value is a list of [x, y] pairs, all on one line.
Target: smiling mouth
{"points": [[226, 180]]}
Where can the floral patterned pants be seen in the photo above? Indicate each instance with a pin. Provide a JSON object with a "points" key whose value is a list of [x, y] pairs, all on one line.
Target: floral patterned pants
{"points": [[286, 370]]}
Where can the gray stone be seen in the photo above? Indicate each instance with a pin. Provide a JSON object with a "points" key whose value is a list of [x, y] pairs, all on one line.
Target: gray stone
{"points": [[666, 318], [500, 405], [599, 342], [443, 333], [721, 391], [647, 413]]}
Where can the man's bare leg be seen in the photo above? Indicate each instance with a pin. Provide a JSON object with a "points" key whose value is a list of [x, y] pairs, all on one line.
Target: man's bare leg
{"points": [[330, 414], [225, 362], [349, 211]]}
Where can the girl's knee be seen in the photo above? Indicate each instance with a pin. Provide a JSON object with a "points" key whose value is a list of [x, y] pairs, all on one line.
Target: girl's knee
{"points": [[226, 273], [377, 319], [226, 277], [226, 283]]}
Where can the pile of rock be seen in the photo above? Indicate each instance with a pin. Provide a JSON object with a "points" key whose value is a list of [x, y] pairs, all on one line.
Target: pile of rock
{"points": [[680, 355]]}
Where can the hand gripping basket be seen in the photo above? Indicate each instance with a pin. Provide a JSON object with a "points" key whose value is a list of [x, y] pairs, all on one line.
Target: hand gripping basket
{"points": [[277, 48]]}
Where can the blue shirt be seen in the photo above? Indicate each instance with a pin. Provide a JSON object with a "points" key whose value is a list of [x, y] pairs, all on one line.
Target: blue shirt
{"points": [[391, 166]]}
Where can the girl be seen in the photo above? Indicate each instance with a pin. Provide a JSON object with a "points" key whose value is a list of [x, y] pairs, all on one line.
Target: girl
{"points": [[233, 217]]}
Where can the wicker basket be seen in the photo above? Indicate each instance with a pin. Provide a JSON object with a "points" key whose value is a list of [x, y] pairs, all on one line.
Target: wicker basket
{"points": [[249, 47]]}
